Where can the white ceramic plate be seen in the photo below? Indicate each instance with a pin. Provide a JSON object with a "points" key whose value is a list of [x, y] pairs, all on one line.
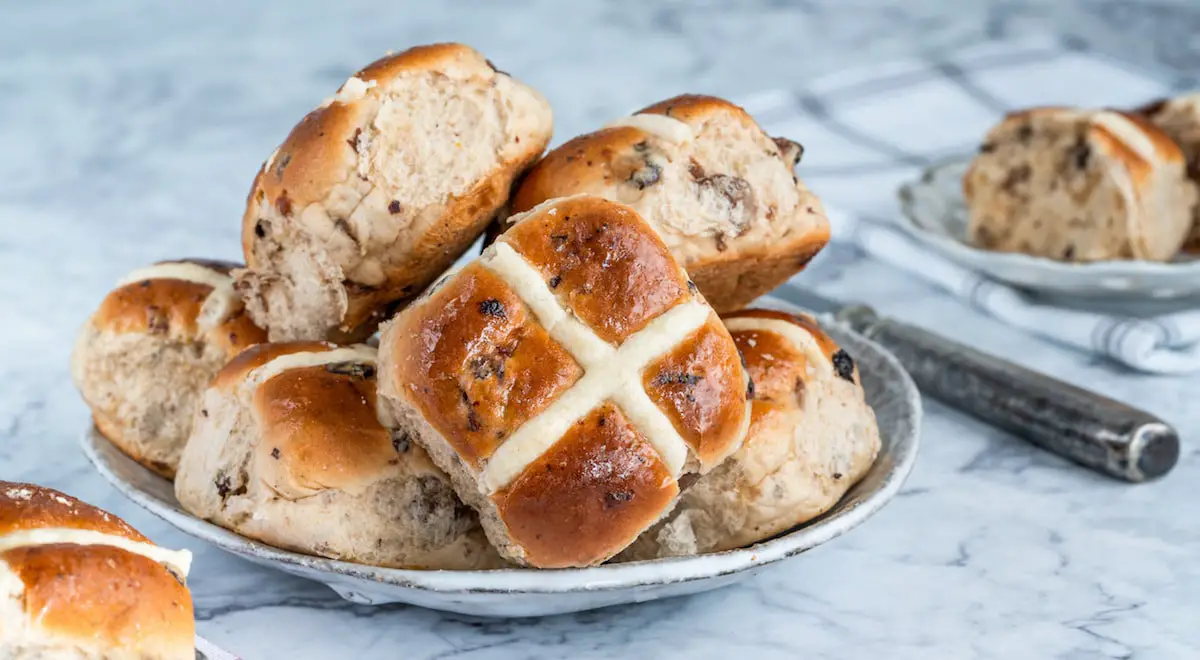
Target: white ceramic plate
{"points": [[936, 214], [528, 592]]}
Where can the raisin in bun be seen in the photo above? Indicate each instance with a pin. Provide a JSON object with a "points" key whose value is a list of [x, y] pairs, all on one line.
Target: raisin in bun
{"points": [[566, 380], [1079, 185], [288, 449], [1179, 118], [812, 436], [142, 360], [721, 193], [77, 582], [375, 193]]}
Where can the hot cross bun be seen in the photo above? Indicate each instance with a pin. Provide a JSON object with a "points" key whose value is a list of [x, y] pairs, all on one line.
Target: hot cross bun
{"points": [[722, 194], [376, 192], [812, 436], [567, 379], [78, 582], [1079, 185], [289, 449], [143, 358]]}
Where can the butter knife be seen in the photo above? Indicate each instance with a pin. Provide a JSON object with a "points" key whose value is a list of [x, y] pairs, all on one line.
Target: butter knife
{"points": [[1095, 431]]}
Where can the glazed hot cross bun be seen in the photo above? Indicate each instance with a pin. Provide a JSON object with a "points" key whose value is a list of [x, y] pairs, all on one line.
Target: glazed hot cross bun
{"points": [[288, 448], [143, 358], [376, 192], [1079, 185], [567, 379], [722, 194], [77, 582], [812, 436]]}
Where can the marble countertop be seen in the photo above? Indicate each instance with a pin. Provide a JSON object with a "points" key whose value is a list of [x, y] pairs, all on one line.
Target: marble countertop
{"points": [[130, 130]]}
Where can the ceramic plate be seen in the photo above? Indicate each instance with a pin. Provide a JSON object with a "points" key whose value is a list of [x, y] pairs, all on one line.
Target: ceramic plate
{"points": [[527, 592], [936, 214]]}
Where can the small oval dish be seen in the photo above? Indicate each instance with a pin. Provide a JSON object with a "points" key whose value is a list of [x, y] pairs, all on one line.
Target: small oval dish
{"points": [[518, 592], [935, 214]]}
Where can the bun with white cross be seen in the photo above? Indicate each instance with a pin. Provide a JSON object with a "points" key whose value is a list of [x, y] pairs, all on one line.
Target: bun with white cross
{"points": [[567, 380], [144, 357], [289, 448], [1179, 117], [78, 582], [377, 191], [812, 437], [1079, 186], [721, 193]]}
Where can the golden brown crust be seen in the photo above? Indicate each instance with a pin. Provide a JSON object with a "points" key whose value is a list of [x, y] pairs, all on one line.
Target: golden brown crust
{"points": [[29, 506], [777, 369], [589, 495], [110, 597], [171, 307], [438, 56], [467, 216], [1164, 146], [234, 372], [828, 346], [604, 263], [291, 183], [320, 428], [477, 363], [1139, 168], [731, 282], [156, 307], [695, 108], [578, 165], [237, 333], [700, 385]]}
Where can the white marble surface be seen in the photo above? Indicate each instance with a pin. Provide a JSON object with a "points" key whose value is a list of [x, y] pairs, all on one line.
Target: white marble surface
{"points": [[129, 132]]}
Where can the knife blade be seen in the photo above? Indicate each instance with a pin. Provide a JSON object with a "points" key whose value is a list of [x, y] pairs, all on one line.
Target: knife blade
{"points": [[1090, 429]]}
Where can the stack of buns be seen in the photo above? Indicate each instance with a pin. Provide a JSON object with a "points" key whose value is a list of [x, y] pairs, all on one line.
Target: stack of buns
{"points": [[1082, 185], [570, 396]]}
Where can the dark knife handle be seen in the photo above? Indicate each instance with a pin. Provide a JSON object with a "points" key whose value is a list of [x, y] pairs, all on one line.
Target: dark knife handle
{"points": [[1092, 430]]}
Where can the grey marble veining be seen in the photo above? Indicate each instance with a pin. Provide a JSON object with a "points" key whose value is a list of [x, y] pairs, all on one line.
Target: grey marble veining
{"points": [[129, 131]]}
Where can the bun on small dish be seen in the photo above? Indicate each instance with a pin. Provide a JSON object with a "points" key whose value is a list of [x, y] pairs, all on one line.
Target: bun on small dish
{"points": [[812, 436], [721, 193], [77, 582], [567, 379], [1079, 185], [143, 358], [377, 191], [288, 449]]}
